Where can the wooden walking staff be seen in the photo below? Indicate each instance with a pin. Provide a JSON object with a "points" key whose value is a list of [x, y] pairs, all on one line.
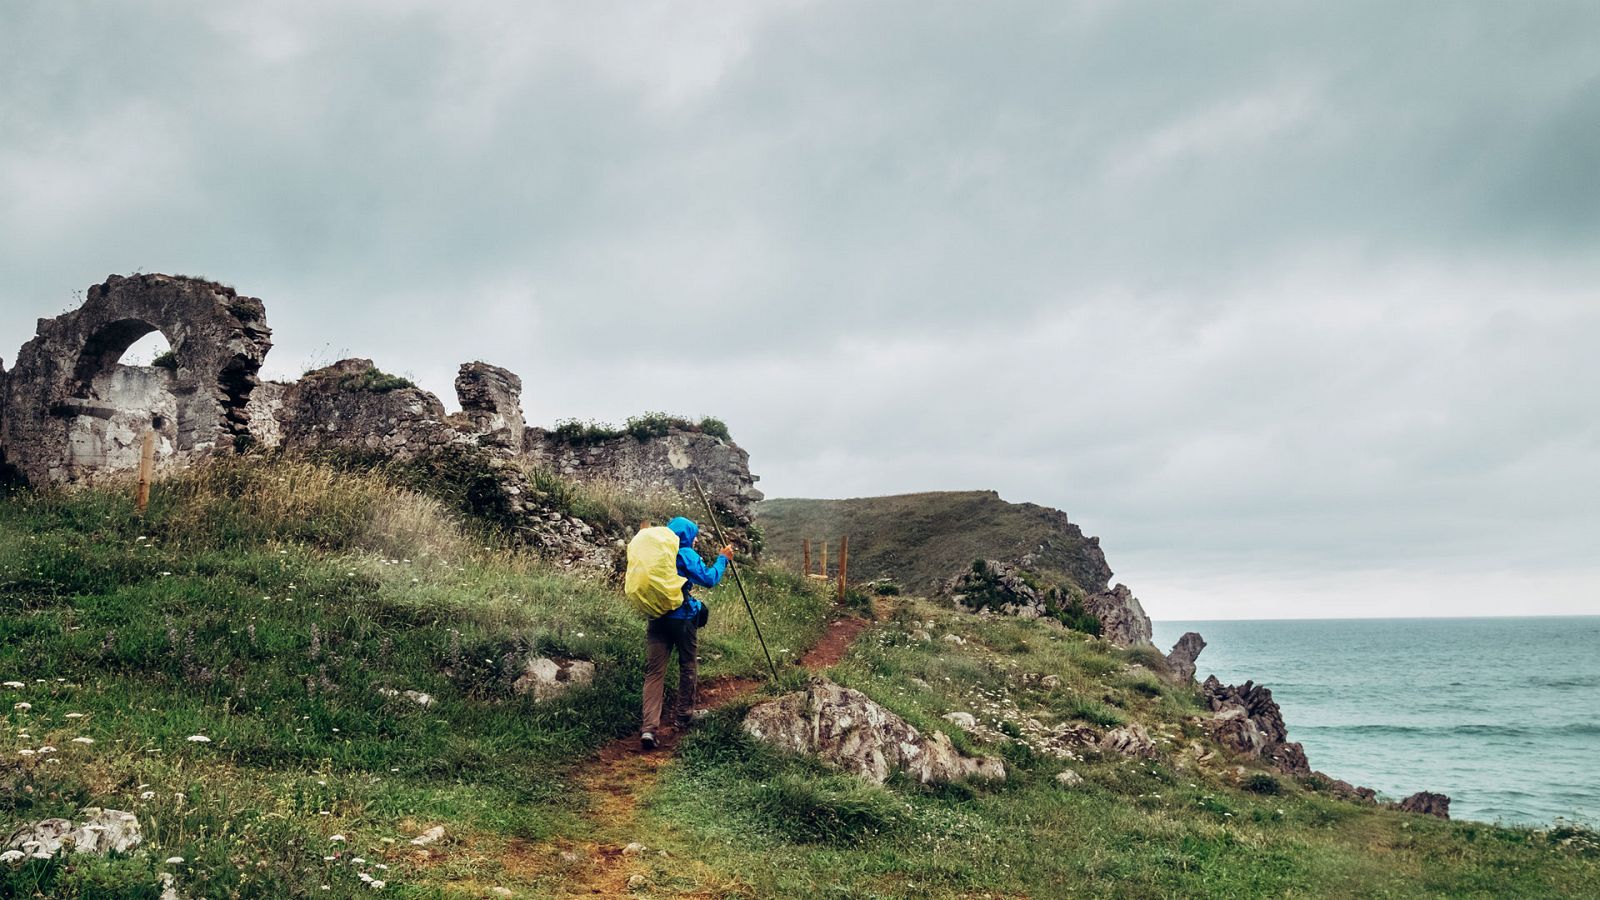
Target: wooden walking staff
{"points": [[712, 514], [147, 462]]}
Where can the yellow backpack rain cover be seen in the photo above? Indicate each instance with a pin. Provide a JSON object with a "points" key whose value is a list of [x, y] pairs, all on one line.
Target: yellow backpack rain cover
{"points": [[653, 584]]}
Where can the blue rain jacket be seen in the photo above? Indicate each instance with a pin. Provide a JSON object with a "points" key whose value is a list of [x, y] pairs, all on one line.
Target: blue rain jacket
{"points": [[693, 568]]}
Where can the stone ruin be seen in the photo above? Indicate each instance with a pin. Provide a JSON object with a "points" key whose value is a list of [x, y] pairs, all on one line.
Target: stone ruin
{"points": [[71, 411]]}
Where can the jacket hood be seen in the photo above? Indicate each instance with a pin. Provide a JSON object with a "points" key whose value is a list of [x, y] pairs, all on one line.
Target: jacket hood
{"points": [[685, 529]]}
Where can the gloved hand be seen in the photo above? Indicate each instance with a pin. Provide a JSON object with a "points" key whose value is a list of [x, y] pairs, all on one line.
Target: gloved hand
{"points": [[727, 552]]}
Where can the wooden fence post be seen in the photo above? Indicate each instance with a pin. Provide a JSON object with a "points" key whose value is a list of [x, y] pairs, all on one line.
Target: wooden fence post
{"points": [[147, 461], [805, 547], [822, 567], [844, 563]]}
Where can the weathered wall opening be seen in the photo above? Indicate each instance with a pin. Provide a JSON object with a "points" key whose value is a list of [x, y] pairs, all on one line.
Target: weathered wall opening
{"points": [[113, 403]]}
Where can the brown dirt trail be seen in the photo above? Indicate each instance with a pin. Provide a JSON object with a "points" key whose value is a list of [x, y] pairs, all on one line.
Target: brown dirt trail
{"points": [[622, 774]]}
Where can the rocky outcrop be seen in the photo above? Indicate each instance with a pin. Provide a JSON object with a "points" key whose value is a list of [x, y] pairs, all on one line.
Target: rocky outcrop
{"points": [[1338, 787], [998, 586], [1427, 804], [674, 460], [1129, 740], [1122, 619], [101, 831], [1246, 720], [72, 411], [1181, 661], [847, 729]]}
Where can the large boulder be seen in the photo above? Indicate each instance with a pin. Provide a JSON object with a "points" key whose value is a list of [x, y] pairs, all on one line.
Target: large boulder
{"points": [[1181, 661], [846, 728], [1428, 804], [544, 678], [1246, 720], [1122, 618]]}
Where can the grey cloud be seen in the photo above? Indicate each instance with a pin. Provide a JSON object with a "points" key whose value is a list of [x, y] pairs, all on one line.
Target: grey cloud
{"points": [[1288, 285]]}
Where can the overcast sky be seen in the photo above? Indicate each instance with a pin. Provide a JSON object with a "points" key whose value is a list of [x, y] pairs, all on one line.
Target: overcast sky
{"points": [[1296, 305]]}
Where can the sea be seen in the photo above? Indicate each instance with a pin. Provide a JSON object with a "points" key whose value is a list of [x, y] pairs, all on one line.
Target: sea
{"points": [[1501, 714]]}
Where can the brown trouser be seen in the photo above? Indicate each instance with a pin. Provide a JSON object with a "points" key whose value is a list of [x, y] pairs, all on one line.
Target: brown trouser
{"points": [[660, 637]]}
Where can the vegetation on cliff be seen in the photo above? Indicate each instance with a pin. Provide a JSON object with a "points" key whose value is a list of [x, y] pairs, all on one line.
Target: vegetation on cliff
{"points": [[920, 540]]}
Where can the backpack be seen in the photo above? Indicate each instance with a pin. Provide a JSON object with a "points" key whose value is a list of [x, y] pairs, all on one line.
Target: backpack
{"points": [[653, 585]]}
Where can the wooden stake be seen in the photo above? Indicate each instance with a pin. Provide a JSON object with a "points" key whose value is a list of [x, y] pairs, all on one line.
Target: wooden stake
{"points": [[844, 563], [805, 548], [822, 567], [147, 462]]}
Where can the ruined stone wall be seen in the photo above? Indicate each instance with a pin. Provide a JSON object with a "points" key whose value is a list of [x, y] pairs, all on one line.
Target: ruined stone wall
{"points": [[675, 460], [333, 409], [70, 410], [69, 402]]}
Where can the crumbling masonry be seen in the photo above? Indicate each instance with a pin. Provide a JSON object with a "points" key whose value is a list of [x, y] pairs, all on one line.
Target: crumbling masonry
{"points": [[70, 411]]}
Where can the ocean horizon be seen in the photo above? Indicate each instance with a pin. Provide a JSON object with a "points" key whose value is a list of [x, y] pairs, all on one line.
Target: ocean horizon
{"points": [[1502, 713]]}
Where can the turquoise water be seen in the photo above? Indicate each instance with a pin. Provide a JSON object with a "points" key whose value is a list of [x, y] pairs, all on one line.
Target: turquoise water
{"points": [[1501, 714]]}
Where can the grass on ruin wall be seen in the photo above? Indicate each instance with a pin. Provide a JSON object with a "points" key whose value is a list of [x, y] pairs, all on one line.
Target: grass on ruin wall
{"points": [[265, 605]]}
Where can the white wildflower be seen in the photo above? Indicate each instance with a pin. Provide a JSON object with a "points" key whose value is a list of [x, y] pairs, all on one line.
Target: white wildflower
{"points": [[24, 706], [174, 860], [83, 740], [15, 684], [75, 715], [198, 739], [379, 884], [148, 795], [339, 838]]}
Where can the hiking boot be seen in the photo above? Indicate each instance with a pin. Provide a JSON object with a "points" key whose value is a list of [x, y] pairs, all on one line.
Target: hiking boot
{"points": [[647, 741]]}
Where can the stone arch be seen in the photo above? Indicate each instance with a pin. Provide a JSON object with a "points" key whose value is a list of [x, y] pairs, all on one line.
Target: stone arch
{"points": [[69, 373]]}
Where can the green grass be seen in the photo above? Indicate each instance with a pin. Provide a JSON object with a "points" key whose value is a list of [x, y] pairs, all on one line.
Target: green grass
{"points": [[267, 606]]}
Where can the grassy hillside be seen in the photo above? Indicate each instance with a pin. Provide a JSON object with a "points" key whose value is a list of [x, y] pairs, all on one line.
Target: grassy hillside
{"points": [[265, 607], [269, 606], [921, 539]]}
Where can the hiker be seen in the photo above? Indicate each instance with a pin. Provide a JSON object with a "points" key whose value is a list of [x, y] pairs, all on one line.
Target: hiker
{"points": [[678, 629]]}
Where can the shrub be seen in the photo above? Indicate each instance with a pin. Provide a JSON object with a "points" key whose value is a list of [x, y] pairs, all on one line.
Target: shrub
{"points": [[575, 431], [886, 587], [167, 360], [644, 427], [374, 381], [1094, 713], [715, 427], [1262, 783]]}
